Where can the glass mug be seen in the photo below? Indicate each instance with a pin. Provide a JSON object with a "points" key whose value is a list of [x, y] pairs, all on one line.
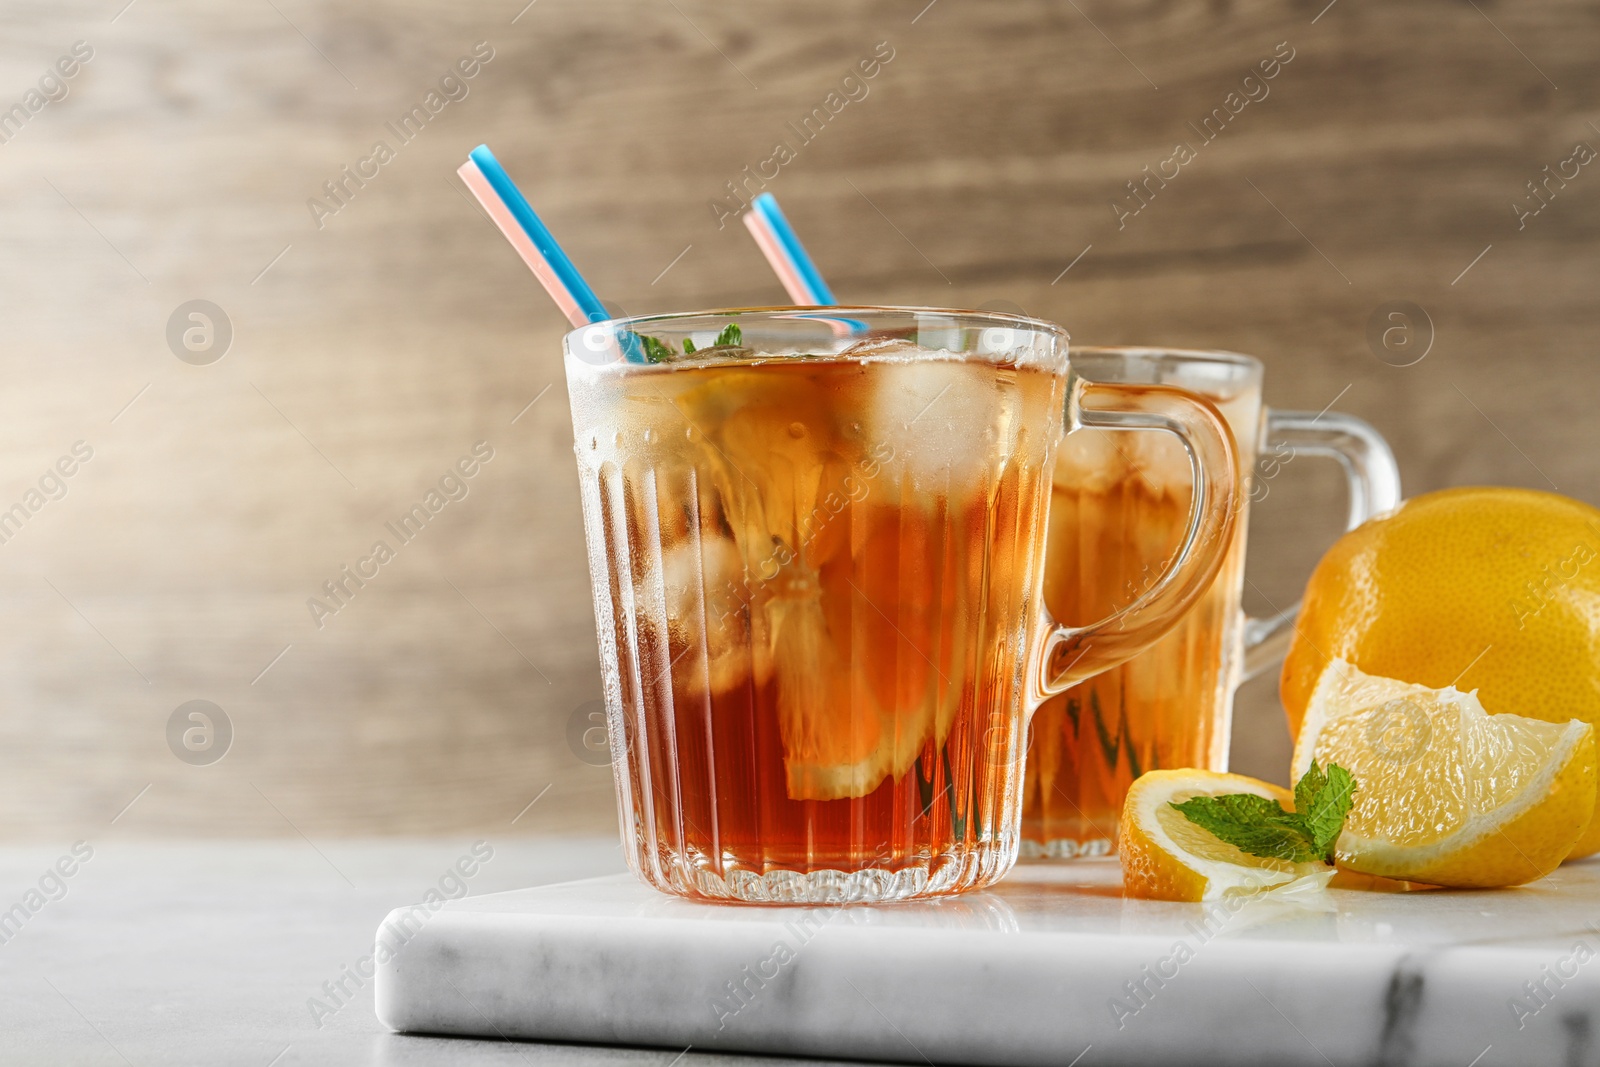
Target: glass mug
{"points": [[817, 557], [1120, 505]]}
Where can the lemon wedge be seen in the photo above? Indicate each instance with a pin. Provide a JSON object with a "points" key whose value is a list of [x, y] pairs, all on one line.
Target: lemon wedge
{"points": [[1447, 793], [1167, 857]]}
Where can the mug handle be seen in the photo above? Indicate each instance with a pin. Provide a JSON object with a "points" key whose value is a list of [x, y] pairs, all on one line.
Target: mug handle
{"points": [[1070, 654], [1374, 481]]}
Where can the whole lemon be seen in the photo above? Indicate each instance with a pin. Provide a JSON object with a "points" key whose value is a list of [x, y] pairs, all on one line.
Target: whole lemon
{"points": [[1488, 588]]}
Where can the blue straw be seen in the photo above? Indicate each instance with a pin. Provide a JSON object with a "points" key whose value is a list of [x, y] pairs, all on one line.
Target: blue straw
{"points": [[539, 234], [767, 205]]}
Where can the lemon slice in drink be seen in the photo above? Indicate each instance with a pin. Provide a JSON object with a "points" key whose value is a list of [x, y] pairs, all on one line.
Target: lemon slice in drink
{"points": [[858, 691], [1167, 857], [833, 735], [1445, 792]]}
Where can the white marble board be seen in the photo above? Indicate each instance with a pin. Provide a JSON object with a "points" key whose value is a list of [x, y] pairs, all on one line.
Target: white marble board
{"points": [[1052, 966]]}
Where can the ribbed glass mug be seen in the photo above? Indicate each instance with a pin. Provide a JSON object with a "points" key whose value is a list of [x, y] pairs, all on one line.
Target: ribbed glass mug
{"points": [[817, 551], [1119, 511]]}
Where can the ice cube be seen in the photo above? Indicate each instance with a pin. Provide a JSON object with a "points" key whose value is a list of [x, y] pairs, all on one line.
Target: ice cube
{"points": [[704, 604], [942, 420], [881, 348], [1094, 460]]}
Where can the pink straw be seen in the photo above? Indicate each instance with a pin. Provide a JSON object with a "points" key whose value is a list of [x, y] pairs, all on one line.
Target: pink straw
{"points": [[554, 270], [793, 284], [787, 256]]}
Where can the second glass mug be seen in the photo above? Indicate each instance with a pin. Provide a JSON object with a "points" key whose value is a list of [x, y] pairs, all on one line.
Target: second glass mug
{"points": [[1118, 510], [817, 559]]}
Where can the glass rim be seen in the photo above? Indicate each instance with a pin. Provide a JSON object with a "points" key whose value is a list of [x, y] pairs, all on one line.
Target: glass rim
{"points": [[1186, 368], [783, 331], [1177, 355], [825, 312]]}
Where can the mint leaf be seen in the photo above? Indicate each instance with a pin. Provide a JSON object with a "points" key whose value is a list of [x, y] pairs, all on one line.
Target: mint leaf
{"points": [[658, 351], [1325, 811], [1252, 824], [655, 350], [1260, 827], [1307, 789]]}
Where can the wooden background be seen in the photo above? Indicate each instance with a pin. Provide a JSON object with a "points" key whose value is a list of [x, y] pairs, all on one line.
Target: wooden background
{"points": [[369, 354]]}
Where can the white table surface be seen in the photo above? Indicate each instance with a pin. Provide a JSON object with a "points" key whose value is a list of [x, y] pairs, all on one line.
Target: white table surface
{"points": [[206, 953], [211, 952]]}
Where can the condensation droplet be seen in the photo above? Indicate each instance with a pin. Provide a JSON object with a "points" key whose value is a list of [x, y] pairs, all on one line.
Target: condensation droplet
{"points": [[797, 430]]}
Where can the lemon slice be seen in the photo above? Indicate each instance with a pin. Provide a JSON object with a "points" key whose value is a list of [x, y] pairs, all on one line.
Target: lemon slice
{"points": [[1445, 792], [1167, 857], [833, 734]]}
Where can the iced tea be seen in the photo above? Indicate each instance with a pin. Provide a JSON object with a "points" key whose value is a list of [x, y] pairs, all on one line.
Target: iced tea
{"points": [[822, 570], [1119, 506]]}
